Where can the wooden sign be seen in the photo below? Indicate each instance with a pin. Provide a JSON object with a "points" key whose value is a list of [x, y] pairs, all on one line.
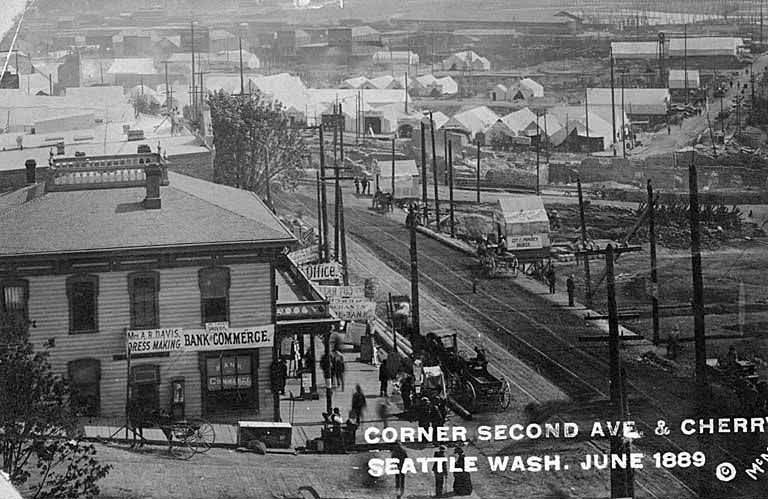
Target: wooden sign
{"points": [[342, 291], [353, 309], [199, 340], [322, 271]]}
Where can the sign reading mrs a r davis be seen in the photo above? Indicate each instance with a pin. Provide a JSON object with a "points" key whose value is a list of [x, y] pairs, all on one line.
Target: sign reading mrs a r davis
{"points": [[199, 340]]}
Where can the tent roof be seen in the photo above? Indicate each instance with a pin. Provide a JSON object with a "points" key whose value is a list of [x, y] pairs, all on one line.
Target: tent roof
{"points": [[522, 209]]}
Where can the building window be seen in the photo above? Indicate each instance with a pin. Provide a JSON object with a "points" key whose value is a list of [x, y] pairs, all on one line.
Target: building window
{"points": [[83, 292], [145, 388], [214, 294], [14, 303], [84, 378], [229, 372], [143, 289]]}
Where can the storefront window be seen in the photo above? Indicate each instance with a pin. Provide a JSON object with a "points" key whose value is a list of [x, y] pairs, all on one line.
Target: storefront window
{"points": [[229, 372]]}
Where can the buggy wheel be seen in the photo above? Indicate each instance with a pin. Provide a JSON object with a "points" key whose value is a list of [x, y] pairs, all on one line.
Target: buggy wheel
{"points": [[202, 436], [505, 396], [469, 397], [181, 446]]}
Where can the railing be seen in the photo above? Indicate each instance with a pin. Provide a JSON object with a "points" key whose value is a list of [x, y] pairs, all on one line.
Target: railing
{"points": [[83, 172]]}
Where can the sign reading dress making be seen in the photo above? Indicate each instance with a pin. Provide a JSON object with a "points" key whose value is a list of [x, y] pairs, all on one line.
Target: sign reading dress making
{"points": [[199, 340]]}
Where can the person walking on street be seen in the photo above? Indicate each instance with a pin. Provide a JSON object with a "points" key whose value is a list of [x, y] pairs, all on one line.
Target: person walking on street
{"points": [[462, 482], [338, 369], [551, 278], [357, 186], [398, 452], [358, 405], [383, 410], [383, 380], [672, 340], [440, 472], [570, 286], [418, 375], [406, 389], [326, 365]]}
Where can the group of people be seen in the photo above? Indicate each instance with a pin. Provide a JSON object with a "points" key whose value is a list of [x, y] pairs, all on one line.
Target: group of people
{"points": [[333, 368], [362, 185], [462, 481]]}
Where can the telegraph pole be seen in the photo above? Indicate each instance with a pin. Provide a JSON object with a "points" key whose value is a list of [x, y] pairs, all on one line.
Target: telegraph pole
{"points": [[324, 201], [424, 199], [320, 235], [445, 153], [194, 95], [698, 310], [342, 229], [337, 246], [685, 60], [477, 178], [434, 171], [450, 186], [167, 98], [622, 483], [415, 316], [654, 276], [538, 148], [393, 168], [613, 107], [242, 84], [587, 279]]}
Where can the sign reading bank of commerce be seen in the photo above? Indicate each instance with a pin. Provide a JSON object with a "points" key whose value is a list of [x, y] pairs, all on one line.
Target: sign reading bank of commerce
{"points": [[199, 340]]}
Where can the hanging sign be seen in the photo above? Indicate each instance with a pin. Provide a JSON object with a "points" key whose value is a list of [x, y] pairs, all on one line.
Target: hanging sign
{"points": [[322, 271], [353, 309], [524, 242], [341, 291], [304, 255], [199, 340]]}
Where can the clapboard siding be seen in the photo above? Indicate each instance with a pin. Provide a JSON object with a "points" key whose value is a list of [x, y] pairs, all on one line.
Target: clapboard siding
{"points": [[179, 302]]}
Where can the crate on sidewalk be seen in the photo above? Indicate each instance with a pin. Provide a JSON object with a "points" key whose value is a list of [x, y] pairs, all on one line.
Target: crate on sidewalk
{"points": [[274, 435]]}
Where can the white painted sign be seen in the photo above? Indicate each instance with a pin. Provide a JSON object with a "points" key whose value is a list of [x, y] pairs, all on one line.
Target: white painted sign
{"points": [[304, 255], [353, 309], [524, 242], [342, 291], [322, 271], [199, 340]]}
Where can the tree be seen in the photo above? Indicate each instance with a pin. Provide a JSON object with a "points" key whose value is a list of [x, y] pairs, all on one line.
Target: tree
{"points": [[256, 144], [38, 445]]}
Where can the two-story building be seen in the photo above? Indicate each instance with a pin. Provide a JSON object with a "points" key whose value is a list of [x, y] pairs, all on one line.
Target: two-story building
{"points": [[115, 248]]}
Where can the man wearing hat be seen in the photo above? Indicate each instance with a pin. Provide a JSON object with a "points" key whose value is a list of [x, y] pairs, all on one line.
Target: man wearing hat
{"points": [[462, 482], [440, 472]]}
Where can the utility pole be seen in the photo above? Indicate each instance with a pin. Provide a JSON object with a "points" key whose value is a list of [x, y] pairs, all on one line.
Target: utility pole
{"points": [[324, 196], [622, 483], [613, 108], [698, 285], [586, 112], [415, 316], [194, 95], [698, 310], [685, 60], [587, 278], [320, 235], [167, 95], [538, 147], [336, 245], [342, 227], [445, 155], [654, 275], [623, 124], [477, 178], [450, 186], [242, 84], [434, 171], [393, 168], [328, 381], [424, 199]]}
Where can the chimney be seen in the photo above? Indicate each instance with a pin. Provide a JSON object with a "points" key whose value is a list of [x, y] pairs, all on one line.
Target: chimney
{"points": [[31, 166], [154, 174]]}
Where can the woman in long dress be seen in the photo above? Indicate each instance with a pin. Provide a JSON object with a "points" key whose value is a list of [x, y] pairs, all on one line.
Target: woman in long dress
{"points": [[462, 482]]}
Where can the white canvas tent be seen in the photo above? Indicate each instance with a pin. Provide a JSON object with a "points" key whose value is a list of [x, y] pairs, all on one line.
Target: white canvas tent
{"points": [[407, 177], [524, 221]]}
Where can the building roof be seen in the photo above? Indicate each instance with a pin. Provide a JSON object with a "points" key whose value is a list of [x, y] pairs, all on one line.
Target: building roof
{"points": [[634, 50], [652, 101], [426, 80], [194, 212], [706, 45], [362, 31], [403, 168], [518, 121], [474, 120], [535, 87], [135, 65], [677, 78], [356, 82], [386, 81]]}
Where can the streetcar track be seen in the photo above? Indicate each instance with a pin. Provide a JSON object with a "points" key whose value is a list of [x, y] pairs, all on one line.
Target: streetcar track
{"points": [[567, 376]]}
